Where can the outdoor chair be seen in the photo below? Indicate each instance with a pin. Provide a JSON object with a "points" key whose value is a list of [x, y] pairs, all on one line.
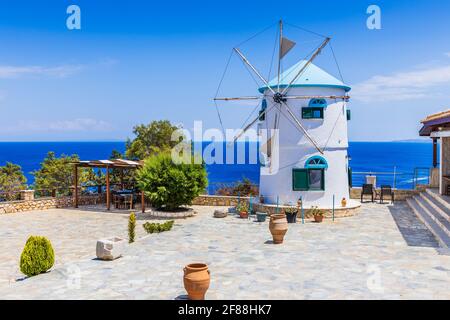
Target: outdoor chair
{"points": [[386, 191], [367, 189]]}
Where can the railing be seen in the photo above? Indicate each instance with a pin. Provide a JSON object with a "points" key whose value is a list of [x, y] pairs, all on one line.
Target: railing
{"points": [[397, 179]]}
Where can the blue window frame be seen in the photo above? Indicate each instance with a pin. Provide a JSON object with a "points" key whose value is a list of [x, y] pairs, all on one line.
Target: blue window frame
{"points": [[316, 162], [312, 113], [317, 103], [312, 177]]}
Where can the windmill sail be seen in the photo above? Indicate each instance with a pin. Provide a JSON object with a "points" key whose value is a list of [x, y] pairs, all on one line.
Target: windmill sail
{"points": [[286, 46]]}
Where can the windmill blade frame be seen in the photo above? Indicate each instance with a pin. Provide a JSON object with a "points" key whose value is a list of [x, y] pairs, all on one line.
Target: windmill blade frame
{"points": [[305, 132]]}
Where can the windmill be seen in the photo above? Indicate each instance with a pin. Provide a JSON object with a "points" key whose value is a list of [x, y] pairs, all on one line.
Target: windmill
{"points": [[309, 100]]}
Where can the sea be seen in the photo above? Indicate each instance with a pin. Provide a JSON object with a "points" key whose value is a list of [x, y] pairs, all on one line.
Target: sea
{"points": [[399, 164]]}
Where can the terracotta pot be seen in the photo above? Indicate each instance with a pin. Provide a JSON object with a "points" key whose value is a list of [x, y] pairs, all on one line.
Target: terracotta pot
{"points": [[278, 227], [344, 202], [196, 280], [318, 218], [243, 214]]}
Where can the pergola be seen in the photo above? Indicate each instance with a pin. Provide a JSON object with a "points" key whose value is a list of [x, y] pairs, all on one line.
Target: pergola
{"points": [[120, 164]]}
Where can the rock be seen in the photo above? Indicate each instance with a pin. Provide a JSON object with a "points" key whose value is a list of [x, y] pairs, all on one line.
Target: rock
{"points": [[220, 214], [110, 249]]}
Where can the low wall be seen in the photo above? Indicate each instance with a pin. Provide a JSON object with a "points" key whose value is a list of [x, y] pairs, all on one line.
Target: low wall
{"points": [[399, 195], [203, 200], [207, 200], [44, 204]]}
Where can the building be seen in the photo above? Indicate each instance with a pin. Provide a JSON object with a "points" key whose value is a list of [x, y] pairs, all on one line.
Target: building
{"points": [[437, 127], [303, 170]]}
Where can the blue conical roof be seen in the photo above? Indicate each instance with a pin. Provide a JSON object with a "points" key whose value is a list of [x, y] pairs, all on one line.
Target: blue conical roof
{"points": [[313, 76]]}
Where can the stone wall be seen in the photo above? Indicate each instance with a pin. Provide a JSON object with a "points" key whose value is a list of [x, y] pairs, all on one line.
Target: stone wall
{"points": [[45, 203], [203, 200]]}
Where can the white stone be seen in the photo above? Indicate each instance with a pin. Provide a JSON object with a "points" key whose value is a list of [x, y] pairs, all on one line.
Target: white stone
{"points": [[110, 249], [220, 213]]}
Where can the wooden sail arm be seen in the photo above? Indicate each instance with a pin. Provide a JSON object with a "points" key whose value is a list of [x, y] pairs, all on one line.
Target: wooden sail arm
{"points": [[346, 97], [314, 143], [237, 98], [253, 68]]}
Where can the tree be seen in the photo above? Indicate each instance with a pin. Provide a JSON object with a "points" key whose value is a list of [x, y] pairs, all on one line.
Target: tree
{"points": [[58, 173], [12, 180], [151, 139], [169, 185]]}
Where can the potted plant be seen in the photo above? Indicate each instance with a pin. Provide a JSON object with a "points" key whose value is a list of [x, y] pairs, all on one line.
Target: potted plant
{"points": [[291, 215], [343, 202], [318, 214], [261, 216], [242, 208]]}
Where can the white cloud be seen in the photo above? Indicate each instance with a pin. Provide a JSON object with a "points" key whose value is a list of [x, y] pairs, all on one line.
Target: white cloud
{"points": [[19, 71], [448, 54], [79, 124], [402, 85]]}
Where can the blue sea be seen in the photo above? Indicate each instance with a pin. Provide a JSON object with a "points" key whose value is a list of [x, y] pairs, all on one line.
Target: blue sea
{"points": [[409, 160]]}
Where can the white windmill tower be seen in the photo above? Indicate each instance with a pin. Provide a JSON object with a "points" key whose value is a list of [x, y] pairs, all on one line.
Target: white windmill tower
{"points": [[307, 156]]}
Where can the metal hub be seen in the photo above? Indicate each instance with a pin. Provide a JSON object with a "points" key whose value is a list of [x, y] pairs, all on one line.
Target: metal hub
{"points": [[278, 98]]}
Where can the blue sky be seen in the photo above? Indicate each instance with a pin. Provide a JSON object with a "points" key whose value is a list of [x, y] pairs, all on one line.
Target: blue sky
{"points": [[135, 61]]}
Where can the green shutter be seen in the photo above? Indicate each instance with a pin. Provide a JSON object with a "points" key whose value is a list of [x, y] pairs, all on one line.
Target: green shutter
{"points": [[349, 115], [300, 180], [312, 113]]}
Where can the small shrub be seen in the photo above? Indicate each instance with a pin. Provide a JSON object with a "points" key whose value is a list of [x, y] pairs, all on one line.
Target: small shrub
{"points": [[242, 207], [240, 188], [315, 211], [169, 185], [37, 256], [131, 227], [158, 227]]}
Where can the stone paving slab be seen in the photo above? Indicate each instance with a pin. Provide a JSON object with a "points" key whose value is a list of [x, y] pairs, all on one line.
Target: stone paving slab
{"points": [[73, 234], [383, 253]]}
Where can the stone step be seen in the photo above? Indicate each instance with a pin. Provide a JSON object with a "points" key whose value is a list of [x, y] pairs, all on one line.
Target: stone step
{"points": [[442, 199], [435, 229], [434, 214], [442, 210]]}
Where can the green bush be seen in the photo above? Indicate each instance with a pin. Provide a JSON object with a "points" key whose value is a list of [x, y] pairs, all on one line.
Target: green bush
{"points": [[37, 256], [131, 227], [158, 227], [169, 185]]}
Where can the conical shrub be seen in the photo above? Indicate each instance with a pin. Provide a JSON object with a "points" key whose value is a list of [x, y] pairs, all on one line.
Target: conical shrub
{"points": [[37, 256]]}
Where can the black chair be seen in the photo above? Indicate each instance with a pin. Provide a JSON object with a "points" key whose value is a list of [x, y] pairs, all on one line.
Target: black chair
{"points": [[386, 190], [367, 189]]}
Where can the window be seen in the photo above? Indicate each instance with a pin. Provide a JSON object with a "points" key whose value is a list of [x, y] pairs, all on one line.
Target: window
{"points": [[312, 113], [349, 115], [316, 179], [312, 177], [321, 103], [316, 162], [262, 117]]}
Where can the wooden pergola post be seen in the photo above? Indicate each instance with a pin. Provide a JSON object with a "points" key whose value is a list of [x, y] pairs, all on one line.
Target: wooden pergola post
{"points": [[75, 183], [108, 191], [143, 201], [434, 152]]}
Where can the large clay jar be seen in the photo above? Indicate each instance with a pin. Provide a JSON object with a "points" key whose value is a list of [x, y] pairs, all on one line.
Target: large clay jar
{"points": [[196, 280], [278, 227]]}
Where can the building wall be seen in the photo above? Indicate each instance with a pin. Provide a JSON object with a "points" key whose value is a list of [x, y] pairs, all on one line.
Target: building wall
{"points": [[445, 163]]}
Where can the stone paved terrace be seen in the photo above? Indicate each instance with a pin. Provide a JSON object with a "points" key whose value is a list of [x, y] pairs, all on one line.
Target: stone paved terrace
{"points": [[382, 253]]}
